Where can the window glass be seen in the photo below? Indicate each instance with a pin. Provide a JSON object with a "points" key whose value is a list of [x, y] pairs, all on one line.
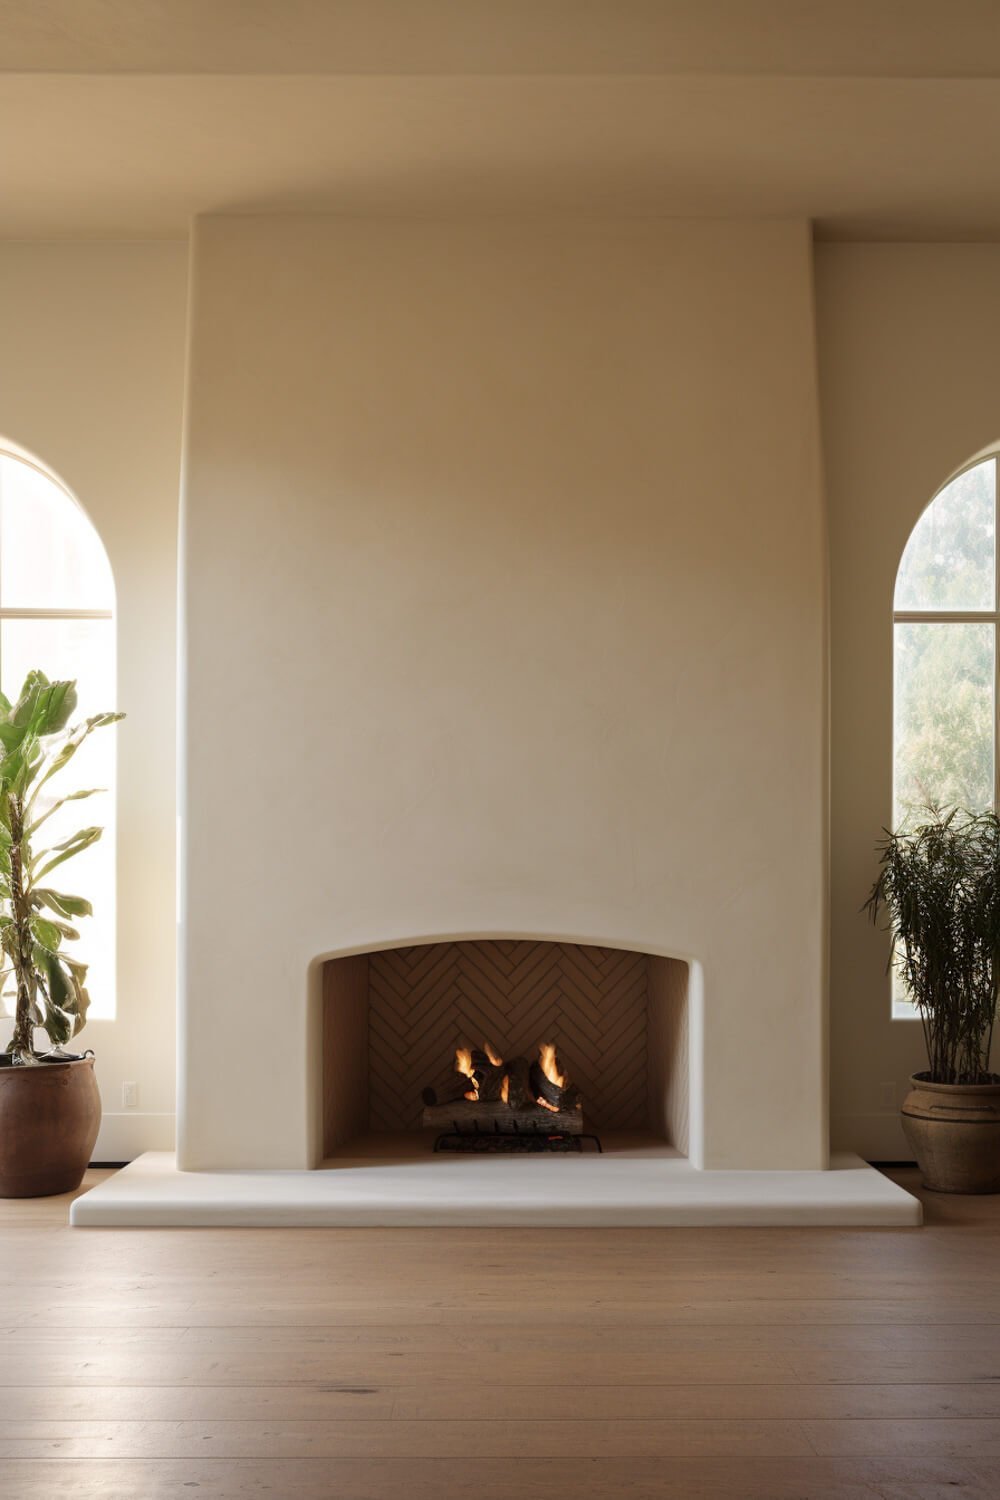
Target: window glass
{"points": [[53, 565], [949, 559], [50, 555], [943, 717], [83, 650]]}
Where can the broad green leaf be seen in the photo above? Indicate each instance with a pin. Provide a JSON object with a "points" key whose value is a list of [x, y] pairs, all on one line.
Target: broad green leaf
{"points": [[11, 765], [46, 933], [58, 1023], [83, 1005], [11, 735], [72, 797], [66, 850], [24, 763], [56, 707], [71, 745], [26, 707], [65, 906], [58, 995], [82, 998], [56, 977]]}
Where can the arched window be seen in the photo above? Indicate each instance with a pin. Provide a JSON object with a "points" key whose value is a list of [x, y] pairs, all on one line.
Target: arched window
{"points": [[57, 600], [946, 613]]}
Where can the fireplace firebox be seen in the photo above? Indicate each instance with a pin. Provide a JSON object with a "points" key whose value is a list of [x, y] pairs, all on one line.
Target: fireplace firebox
{"points": [[504, 1045]]}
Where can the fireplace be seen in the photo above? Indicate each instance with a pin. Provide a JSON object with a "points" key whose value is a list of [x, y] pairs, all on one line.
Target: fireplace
{"points": [[509, 1105], [438, 1042], [503, 547]]}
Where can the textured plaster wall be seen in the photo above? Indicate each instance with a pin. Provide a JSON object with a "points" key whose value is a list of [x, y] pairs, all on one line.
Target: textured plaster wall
{"points": [[910, 392], [91, 373], [504, 614]]}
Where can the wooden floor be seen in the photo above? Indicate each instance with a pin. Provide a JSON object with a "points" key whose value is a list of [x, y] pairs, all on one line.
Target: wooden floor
{"points": [[763, 1364]]}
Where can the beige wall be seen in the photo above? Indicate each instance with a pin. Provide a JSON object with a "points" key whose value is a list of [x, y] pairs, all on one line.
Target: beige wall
{"points": [[910, 384], [458, 501], [91, 363], [505, 615]]}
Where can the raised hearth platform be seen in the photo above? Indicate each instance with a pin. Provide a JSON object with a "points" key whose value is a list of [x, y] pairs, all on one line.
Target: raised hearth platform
{"points": [[642, 1185]]}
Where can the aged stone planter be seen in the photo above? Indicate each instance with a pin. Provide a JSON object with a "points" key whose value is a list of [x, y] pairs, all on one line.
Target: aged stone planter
{"points": [[954, 1132], [49, 1118]]}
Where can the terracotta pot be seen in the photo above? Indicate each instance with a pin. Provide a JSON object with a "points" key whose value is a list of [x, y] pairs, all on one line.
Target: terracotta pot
{"points": [[49, 1118], [954, 1132]]}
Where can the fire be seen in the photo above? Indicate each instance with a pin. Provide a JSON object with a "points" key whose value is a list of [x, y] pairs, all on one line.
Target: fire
{"points": [[549, 1066], [463, 1064], [547, 1063], [491, 1053], [505, 1089]]}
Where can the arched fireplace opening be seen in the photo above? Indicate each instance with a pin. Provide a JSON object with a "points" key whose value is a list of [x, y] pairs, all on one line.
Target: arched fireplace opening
{"points": [[489, 1034]]}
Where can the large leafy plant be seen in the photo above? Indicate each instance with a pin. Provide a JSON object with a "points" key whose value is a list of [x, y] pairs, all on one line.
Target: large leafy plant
{"points": [[939, 885], [45, 981]]}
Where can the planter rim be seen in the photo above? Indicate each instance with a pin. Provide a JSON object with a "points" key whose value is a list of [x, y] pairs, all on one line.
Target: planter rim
{"points": [[12, 1070], [923, 1081]]}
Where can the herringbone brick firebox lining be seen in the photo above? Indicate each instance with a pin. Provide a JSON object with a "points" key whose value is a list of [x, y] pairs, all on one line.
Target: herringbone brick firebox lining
{"points": [[426, 1001]]}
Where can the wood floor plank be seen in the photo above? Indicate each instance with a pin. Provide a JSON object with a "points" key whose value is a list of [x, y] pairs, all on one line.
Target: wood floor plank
{"points": [[469, 1441], [152, 1309], [745, 1478], [484, 1402], [686, 1365], [89, 1362]]}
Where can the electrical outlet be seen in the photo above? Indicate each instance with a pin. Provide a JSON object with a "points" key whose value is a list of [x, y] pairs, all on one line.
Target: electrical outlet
{"points": [[130, 1095], [887, 1095]]}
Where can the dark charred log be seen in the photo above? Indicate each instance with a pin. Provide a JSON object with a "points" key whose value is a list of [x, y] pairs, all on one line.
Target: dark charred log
{"points": [[489, 1081], [457, 1086], [571, 1098], [544, 1088], [520, 1093]]}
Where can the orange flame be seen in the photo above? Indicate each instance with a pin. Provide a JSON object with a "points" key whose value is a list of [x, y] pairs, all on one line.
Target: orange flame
{"points": [[505, 1089], [549, 1066], [491, 1053], [463, 1065]]}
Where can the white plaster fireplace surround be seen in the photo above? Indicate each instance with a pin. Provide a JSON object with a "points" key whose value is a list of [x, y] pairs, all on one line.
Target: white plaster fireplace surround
{"points": [[504, 615]]}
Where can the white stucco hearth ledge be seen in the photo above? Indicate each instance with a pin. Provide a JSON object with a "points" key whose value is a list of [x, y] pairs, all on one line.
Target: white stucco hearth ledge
{"points": [[649, 1189]]}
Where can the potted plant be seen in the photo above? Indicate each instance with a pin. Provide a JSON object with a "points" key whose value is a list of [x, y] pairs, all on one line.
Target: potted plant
{"points": [[50, 1108], [939, 885]]}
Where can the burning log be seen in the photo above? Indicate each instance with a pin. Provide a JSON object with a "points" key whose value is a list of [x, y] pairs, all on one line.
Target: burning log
{"points": [[487, 1092], [489, 1072], [549, 1084], [476, 1118], [456, 1088], [520, 1094], [461, 1085], [571, 1099]]}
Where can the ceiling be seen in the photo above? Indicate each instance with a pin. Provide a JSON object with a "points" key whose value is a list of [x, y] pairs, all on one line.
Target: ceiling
{"points": [[875, 118]]}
